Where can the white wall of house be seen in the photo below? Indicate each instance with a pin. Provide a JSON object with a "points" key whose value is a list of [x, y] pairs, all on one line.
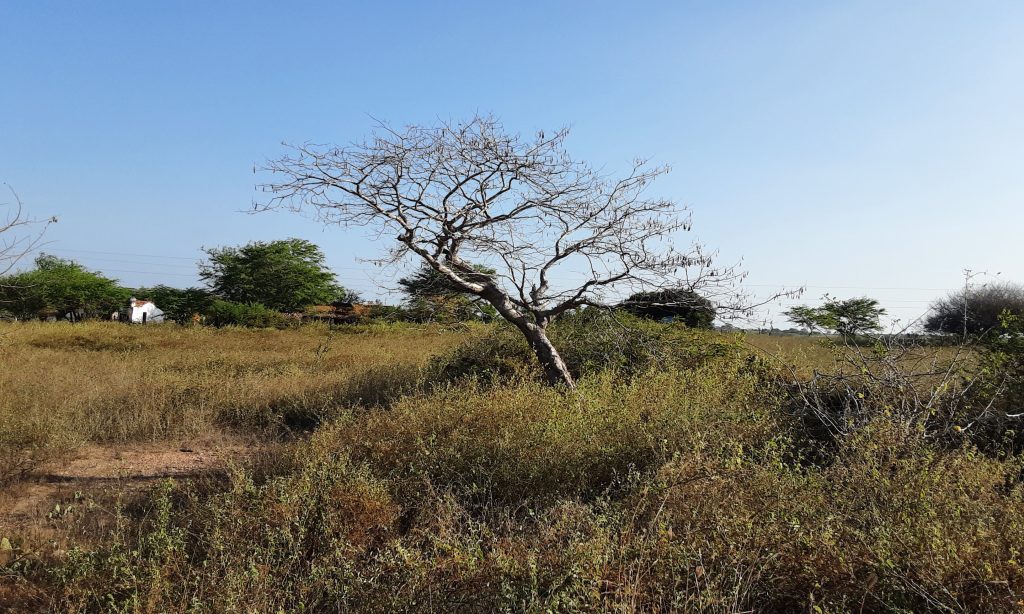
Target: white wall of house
{"points": [[151, 312]]}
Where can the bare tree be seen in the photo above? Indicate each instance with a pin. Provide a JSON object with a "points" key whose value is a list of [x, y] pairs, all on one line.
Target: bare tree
{"points": [[462, 196], [19, 234]]}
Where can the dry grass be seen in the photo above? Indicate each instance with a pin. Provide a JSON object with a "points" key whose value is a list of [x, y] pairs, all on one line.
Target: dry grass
{"points": [[685, 488], [63, 385]]}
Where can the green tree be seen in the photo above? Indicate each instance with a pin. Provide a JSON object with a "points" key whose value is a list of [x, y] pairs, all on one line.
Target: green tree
{"points": [[975, 311], [61, 287], [285, 275], [680, 304], [804, 317], [848, 318], [431, 296]]}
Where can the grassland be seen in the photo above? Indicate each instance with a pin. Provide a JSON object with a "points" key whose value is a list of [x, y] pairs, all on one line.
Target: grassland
{"points": [[64, 385], [686, 486]]}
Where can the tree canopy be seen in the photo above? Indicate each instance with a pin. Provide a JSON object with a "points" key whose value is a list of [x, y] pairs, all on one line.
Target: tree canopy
{"points": [[680, 304], [285, 275], [562, 234], [431, 296], [976, 310], [61, 286], [849, 318]]}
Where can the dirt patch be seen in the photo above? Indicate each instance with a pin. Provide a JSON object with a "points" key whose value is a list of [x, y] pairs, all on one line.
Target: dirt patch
{"points": [[31, 507]]}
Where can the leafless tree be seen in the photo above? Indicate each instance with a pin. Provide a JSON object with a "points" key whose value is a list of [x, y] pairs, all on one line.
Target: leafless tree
{"points": [[560, 234], [19, 234], [906, 380]]}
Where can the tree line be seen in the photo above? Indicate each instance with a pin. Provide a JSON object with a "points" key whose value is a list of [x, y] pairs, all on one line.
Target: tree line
{"points": [[971, 312], [492, 217], [256, 283]]}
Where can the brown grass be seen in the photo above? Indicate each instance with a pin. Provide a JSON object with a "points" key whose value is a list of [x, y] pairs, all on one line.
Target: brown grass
{"points": [[63, 385], [681, 489]]}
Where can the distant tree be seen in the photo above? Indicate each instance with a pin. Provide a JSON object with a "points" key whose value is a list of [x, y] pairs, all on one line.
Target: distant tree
{"points": [[680, 304], [975, 311], [849, 318], [804, 317], [60, 286], [285, 275], [428, 282], [178, 304], [431, 296]]}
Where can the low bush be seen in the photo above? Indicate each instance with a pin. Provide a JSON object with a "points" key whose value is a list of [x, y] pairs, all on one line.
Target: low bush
{"points": [[968, 394], [524, 442], [997, 397], [251, 315], [590, 341]]}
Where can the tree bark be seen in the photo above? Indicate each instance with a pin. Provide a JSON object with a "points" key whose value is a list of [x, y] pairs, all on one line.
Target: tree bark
{"points": [[556, 372]]}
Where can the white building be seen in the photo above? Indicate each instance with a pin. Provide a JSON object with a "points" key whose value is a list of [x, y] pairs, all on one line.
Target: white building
{"points": [[144, 312]]}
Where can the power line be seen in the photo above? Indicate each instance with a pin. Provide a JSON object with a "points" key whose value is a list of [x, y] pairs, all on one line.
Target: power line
{"points": [[122, 261], [90, 251], [150, 272], [846, 287]]}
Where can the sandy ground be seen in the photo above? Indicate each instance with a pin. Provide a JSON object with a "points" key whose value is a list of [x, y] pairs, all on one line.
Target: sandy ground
{"points": [[35, 506]]}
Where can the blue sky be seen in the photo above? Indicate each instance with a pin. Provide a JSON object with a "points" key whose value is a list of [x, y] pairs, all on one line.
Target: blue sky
{"points": [[857, 147]]}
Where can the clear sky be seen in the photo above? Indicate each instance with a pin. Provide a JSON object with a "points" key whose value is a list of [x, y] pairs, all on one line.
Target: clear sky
{"points": [[860, 148]]}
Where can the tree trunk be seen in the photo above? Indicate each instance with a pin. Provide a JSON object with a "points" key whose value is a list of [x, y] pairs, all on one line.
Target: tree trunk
{"points": [[555, 370]]}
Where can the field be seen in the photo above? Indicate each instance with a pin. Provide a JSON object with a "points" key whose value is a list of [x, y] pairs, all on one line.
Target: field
{"points": [[173, 469]]}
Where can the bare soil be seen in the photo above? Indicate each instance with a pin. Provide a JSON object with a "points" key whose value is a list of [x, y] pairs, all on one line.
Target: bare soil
{"points": [[36, 509]]}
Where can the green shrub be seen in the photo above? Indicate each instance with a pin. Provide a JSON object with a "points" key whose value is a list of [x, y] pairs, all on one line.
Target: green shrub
{"points": [[997, 402], [590, 341], [251, 315]]}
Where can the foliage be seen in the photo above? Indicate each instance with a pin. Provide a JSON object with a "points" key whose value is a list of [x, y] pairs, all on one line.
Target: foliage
{"points": [[999, 394], [804, 317], [177, 304], [431, 297], [251, 315], [60, 286], [389, 313], [428, 282], [596, 340], [679, 305], [285, 275], [984, 305], [442, 309], [847, 318]]}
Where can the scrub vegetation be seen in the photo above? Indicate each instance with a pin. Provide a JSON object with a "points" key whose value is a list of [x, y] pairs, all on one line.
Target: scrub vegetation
{"points": [[422, 468]]}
